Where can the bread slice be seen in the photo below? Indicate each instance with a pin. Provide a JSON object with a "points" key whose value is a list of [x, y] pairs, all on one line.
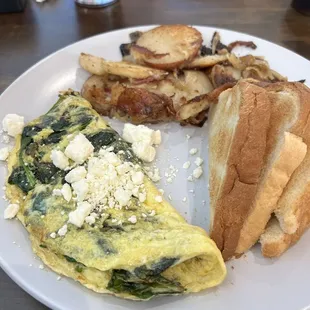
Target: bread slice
{"points": [[275, 241], [293, 206], [239, 126], [285, 152]]}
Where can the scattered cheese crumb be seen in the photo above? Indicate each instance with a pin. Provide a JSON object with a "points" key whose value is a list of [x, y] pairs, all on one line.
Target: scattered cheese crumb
{"points": [[161, 191], [13, 124], [41, 267], [133, 219], [198, 161], [63, 230], [152, 213], [158, 198], [184, 199], [59, 159], [79, 149], [78, 216], [80, 188], [137, 178], [122, 196], [197, 172], [190, 178], [142, 139], [90, 220], [144, 215], [193, 151], [59, 278], [66, 192], [169, 196], [53, 235], [186, 165], [11, 211], [144, 151], [4, 153], [142, 197], [76, 174], [188, 137], [169, 180]]}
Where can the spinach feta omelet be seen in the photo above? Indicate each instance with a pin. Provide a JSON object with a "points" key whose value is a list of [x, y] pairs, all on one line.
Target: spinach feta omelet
{"points": [[86, 226]]}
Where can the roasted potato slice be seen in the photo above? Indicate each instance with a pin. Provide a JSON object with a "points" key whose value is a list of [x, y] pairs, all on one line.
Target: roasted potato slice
{"points": [[167, 47], [97, 90], [142, 106], [201, 103], [100, 66], [206, 61]]}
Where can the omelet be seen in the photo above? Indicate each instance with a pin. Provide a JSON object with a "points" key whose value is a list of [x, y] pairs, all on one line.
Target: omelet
{"points": [[135, 246]]}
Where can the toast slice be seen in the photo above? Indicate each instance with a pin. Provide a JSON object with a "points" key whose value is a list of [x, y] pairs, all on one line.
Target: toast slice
{"points": [[285, 152], [293, 206], [274, 241], [239, 126]]}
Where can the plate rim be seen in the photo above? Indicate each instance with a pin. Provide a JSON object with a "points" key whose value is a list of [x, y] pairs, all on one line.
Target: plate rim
{"points": [[42, 298]]}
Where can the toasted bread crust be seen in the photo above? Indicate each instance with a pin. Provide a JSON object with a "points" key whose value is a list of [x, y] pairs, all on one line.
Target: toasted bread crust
{"points": [[274, 242], [244, 167], [287, 160]]}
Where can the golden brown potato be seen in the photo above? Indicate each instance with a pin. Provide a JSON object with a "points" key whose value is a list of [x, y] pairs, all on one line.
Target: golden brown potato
{"points": [[206, 61], [100, 66], [167, 47]]}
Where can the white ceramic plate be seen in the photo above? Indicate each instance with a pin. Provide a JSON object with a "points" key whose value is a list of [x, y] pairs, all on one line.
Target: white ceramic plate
{"points": [[253, 282]]}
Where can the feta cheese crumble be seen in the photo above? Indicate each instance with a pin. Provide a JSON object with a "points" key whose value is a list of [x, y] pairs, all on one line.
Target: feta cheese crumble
{"points": [[78, 216], [158, 198], [186, 165], [197, 172], [13, 124], [133, 219], [4, 153], [198, 161], [11, 211], [79, 149], [59, 159], [76, 174], [66, 192], [63, 230], [142, 139], [193, 151], [53, 235]]}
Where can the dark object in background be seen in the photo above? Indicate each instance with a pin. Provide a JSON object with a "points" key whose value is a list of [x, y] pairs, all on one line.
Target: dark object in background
{"points": [[302, 6], [94, 3], [12, 6]]}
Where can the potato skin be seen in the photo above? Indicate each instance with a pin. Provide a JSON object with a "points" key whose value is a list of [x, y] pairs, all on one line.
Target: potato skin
{"points": [[167, 47]]}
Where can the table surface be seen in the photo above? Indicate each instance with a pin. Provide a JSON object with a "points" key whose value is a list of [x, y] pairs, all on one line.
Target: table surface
{"points": [[43, 28]]}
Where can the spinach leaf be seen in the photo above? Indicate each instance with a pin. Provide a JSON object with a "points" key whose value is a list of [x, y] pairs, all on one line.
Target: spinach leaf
{"points": [[44, 172], [143, 272], [19, 178], [70, 259], [79, 268], [123, 281], [30, 131], [54, 137], [31, 149], [102, 138], [39, 202], [60, 124], [106, 247]]}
